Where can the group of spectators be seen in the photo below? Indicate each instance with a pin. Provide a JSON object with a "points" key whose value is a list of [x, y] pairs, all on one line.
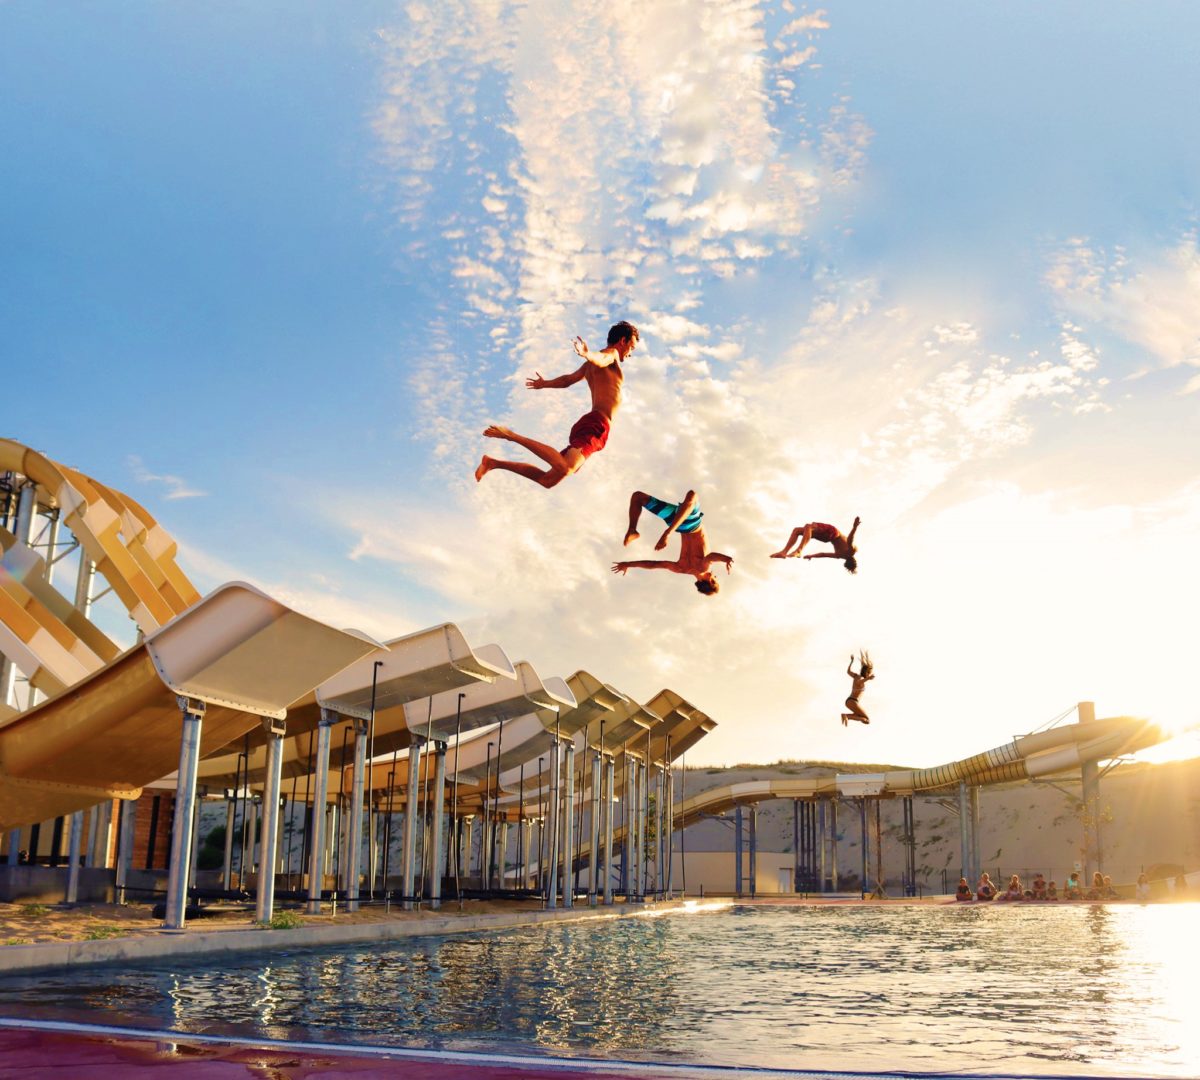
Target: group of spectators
{"points": [[1041, 889]]}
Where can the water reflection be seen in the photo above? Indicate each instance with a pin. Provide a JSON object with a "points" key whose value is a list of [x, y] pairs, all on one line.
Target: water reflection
{"points": [[1036, 989]]}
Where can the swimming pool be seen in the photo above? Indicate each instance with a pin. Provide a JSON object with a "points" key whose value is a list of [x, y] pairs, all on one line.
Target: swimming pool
{"points": [[1023, 989]]}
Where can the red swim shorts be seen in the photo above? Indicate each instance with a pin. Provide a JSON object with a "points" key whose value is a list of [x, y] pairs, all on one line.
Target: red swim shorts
{"points": [[824, 533], [590, 433]]}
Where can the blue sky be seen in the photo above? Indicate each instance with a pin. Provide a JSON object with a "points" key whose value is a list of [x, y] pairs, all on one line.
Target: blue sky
{"points": [[272, 268]]}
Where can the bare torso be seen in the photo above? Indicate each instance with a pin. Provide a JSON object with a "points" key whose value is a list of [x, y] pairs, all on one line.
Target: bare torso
{"points": [[693, 553], [605, 384]]}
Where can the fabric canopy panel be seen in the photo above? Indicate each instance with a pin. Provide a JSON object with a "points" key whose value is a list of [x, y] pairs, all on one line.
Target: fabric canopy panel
{"points": [[242, 654]]}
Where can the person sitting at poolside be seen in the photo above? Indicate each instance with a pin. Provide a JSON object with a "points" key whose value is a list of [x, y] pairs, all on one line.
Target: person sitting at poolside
{"points": [[986, 890], [1014, 890], [843, 546], [964, 893], [1110, 893], [1072, 890], [1141, 890], [1052, 891], [1096, 892], [694, 556], [1039, 886]]}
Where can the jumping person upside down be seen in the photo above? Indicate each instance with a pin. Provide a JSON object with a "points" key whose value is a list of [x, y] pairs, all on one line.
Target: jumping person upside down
{"points": [[864, 675], [683, 518], [604, 376], [843, 546]]}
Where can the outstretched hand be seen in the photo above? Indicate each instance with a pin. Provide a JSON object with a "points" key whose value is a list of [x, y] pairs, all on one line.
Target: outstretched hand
{"points": [[809, 557], [619, 567], [580, 347], [536, 383], [662, 542], [729, 566]]}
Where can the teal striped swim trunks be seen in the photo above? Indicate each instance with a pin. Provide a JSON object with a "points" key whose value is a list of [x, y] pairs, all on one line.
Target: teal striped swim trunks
{"points": [[666, 511]]}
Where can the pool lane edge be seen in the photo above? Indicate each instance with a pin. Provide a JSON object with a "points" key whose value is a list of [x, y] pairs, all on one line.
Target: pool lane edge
{"points": [[164, 944]]}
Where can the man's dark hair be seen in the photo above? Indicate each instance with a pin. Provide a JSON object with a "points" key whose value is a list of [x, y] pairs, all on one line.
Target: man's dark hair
{"points": [[852, 564], [707, 586], [621, 331]]}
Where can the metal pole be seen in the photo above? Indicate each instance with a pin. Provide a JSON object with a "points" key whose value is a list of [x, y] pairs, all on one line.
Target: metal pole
{"points": [[796, 883], [185, 802], [833, 842], [976, 860], [264, 900], [821, 830], [372, 838], [964, 824], [316, 861]]}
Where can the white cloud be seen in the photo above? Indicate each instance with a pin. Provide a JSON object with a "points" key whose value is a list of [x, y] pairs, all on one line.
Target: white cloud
{"points": [[177, 487], [1151, 301]]}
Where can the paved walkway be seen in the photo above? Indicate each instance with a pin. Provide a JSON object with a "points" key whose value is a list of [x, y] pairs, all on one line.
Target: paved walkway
{"points": [[67, 1053]]}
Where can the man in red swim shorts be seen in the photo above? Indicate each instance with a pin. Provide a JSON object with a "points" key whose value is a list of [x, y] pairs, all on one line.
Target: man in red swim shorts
{"points": [[604, 376], [843, 546]]}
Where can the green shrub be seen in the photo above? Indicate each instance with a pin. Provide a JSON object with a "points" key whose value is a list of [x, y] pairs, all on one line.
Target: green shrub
{"points": [[100, 933], [284, 920]]}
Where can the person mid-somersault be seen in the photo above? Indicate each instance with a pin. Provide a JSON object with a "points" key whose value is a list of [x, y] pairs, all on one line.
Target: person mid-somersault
{"points": [[843, 546], [604, 376], [683, 518], [861, 677]]}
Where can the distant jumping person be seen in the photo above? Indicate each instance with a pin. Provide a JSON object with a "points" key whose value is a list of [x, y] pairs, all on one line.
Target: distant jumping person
{"points": [[604, 376], [683, 518], [843, 546], [863, 676]]}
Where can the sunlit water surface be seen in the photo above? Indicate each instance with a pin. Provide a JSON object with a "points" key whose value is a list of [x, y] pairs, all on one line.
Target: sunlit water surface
{"points": [[1021, 989]]}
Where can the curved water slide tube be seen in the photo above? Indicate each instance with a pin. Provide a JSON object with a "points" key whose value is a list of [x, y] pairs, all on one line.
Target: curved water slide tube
{"points": [[47, 637], [133, 554], [414, 667], [1046, 753], [243, 655]]}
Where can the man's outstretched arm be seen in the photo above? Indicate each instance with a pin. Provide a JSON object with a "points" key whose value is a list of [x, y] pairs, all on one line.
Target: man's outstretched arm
{"points": [[644, 564], [823, 555], [853, 530], [559, 383], [716, 556]]}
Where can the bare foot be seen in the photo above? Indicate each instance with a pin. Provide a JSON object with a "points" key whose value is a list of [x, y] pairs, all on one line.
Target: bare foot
{"points": [[631, 536], [484, 467], [495, 431], [779, 555]]}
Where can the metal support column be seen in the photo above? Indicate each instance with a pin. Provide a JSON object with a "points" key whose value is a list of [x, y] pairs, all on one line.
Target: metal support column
{"points": [[264, 900], [910, 848], [822, 866], [354, 833], [753, 851], [185, 806], [1093, 856], [866, 844], [964, 825], [610, 779], [976, 860], [74, 850], [412, 811], [128, 811], [552, 846], [737, 851], [437, 868], [594, 838], [568, 829], [316, 861]]}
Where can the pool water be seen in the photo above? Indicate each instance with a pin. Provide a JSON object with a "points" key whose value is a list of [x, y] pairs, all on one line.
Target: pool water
{"points": [[1023, 989]]}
